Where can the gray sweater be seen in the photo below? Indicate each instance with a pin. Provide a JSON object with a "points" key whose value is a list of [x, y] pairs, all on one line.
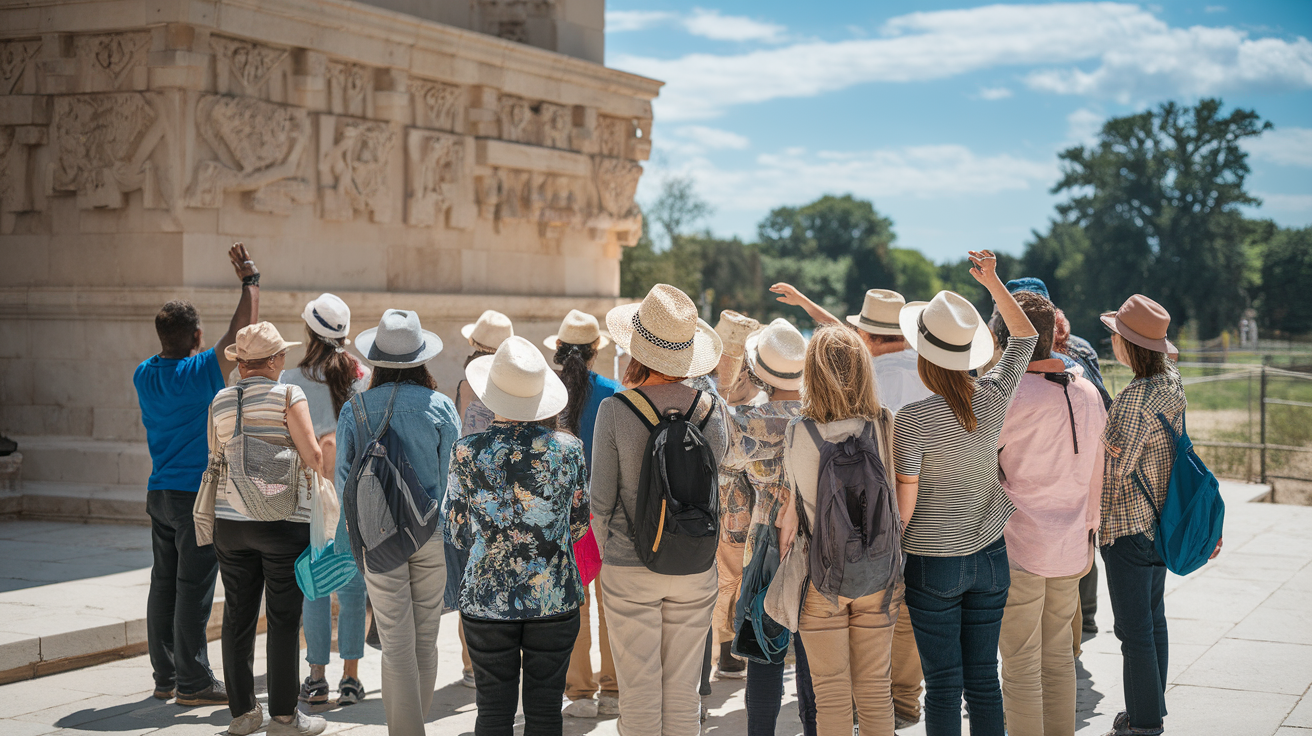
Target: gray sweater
{"points": [[619, 441]]}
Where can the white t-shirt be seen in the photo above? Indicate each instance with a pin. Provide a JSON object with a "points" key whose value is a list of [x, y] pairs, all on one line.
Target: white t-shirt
{"points": [[898, 380]]}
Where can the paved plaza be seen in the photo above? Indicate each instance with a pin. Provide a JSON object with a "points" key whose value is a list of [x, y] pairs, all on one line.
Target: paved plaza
{"points": [[1241, 646]]}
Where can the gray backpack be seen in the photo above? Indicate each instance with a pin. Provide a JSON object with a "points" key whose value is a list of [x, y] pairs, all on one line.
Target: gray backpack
{"points": [[268, 477]]}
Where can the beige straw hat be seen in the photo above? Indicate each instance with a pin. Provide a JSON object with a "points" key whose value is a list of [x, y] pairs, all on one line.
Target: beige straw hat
{"points": [[491, 329], [1143, 322], [578, 328], [664, 333], [879, 313], [777, 354], [733, 329], [948, 332], [516, 383], [257, 341]]}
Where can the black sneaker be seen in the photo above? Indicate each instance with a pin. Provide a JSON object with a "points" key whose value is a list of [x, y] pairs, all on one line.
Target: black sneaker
{"points": [[1089, 626], [215, 694], [349, 691], [314, 692], [730, 666]]}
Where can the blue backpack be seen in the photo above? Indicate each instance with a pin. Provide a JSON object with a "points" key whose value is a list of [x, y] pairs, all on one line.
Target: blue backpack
{"points": [[1190, 520]]}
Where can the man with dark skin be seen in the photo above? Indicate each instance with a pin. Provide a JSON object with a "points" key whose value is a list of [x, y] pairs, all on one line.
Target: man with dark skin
{"points": [[174, 389]]}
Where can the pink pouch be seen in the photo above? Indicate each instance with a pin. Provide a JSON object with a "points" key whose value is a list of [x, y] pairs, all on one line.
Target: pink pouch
{"points": [[587, 557]]}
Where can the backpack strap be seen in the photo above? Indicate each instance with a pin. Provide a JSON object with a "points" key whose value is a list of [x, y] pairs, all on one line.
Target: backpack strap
{"points": [[236, 429], [640, 405], [1166, 424], [1143, 488], [803, 523], [705, 403]]}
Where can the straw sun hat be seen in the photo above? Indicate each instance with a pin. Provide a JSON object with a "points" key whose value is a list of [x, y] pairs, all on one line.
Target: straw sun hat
{"points": [[664, 333], [948, 332], [399, 341], [777, 354], [879, 313], [578, 328], [256, 342], [516, 383], [1143, 322], [491, 329]]}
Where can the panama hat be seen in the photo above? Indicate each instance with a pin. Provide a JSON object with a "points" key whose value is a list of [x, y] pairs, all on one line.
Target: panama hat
{"points": [[578, 328], [515, 382], [491, 329], [664, 334], [879, 313], [733, 329], [328, 316], [1143, 322], [777, 354], [256, 342], [399, 341], [948, 332]]}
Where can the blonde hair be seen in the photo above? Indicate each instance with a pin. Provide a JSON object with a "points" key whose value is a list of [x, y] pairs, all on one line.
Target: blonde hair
{"points": [[956, 387], [837, 380]]}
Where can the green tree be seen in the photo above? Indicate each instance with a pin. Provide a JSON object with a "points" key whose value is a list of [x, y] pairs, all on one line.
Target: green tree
{"points": [[678, 209], [915, 275], [1286, 273]]}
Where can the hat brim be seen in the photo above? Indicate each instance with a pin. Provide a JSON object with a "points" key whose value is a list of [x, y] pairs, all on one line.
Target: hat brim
{"points": [[230, 352], [550, 342], [1162, 345], [785, 384], [981, 344], [855, 321], [364, 343], [698, 359], [550, 402]]}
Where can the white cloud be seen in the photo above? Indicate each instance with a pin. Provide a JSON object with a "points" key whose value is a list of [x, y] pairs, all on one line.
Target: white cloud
{"points": [[712, 138], [618, 21], [1083, 126], [994, 93], [710, 24], [1289, 210], [1135, 54], [1283, 146]]}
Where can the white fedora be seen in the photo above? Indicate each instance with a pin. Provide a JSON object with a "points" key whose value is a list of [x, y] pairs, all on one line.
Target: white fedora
{"points": [[578, 328], [516, 383], [399, 341], [879, 313], [733, 329], [664, 333], [948, 332], [777, 354], [491, 329], [328, 316]]}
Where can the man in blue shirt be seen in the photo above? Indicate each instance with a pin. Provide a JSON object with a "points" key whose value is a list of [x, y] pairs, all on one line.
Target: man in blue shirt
{"points": [[174, 389]]}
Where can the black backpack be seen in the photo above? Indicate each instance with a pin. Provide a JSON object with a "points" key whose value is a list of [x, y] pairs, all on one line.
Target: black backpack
{"points": [[856, 541], [675, 525], [388, 514]]}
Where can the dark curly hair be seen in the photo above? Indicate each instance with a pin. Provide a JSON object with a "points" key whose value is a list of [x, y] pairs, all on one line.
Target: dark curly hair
{"points": [[176, 324]]}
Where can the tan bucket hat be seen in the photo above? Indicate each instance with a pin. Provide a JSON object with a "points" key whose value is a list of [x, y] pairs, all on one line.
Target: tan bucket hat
{"points": [[733, 329], [516, 383], [879, 313], [491, 329], [257, 341], [1143, 322], [664, 334], [578, 328], [948, 332], [777, 354]]}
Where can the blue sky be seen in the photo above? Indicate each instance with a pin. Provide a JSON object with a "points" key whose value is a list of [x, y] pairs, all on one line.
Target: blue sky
{"points": [[948, 116]]}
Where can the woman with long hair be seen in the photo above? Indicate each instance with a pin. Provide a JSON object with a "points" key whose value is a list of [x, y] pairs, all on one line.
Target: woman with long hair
{"points": [[951, 501]]}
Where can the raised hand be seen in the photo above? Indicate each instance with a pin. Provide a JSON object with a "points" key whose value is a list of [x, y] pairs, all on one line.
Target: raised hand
{"points": [[984, 266], [241, 261], [788, 294]]}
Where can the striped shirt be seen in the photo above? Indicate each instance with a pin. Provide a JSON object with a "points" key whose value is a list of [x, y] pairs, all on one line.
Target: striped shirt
{"points": [[264, 404], [961, 507]]}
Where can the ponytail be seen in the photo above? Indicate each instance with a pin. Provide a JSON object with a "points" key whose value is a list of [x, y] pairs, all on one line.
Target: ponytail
{"points": [[326, 361], [574, 373]]}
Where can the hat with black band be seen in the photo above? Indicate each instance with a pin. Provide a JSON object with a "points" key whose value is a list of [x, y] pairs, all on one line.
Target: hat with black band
{"points": [[948, 332], [879, 313]]}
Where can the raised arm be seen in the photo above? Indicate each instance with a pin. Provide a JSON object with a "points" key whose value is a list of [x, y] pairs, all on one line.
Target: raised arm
{"points": [[788, 294], [985, 271], [248, 308]]}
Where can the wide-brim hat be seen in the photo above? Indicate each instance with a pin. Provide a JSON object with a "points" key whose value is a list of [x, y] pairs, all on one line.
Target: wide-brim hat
{"points": [[948, 332], [733, 329], [256, 342], [516, 383], [879, 313], [490, 330], [328, 316], [777, 354], [578, 328], [664, 333], [1143, 322], [399, 341]]}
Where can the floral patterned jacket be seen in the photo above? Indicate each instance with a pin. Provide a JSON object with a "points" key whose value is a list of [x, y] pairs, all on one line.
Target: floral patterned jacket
{"points": [[756, 448]]}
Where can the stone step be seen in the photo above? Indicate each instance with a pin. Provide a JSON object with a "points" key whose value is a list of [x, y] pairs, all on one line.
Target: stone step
{"points": [[84, 460], [83, 502]]}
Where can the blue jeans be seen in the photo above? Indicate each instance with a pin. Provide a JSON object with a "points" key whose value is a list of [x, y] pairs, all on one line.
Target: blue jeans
{"points": [[956, 608], [1136, 579], [318, 617], [765, 694]]}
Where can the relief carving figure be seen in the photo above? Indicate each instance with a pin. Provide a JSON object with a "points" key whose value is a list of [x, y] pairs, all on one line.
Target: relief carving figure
{"points": [[556, 121], [103, 143], [617, 184], [439, 180], [488, 188], [14, 58], [353, 169], [109, 60], [15, 182], [249, 64], [350, 89], [436, 105], [613, 136], [516, 120], [259, 145]]}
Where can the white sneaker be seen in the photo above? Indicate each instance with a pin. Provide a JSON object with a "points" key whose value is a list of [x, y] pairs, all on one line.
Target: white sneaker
{"points": [[301, 725], [248, 722], [608, 705], [581, 708]]}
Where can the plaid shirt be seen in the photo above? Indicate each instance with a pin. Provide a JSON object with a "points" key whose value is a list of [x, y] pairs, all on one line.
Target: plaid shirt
{"points": [[756, 447], [1136, 442]]}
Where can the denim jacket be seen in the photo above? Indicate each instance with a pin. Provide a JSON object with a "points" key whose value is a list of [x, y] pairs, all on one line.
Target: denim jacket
{"points": [[425, 420]]}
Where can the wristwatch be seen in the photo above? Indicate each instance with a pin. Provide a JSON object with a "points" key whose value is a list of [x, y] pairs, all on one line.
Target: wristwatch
{"points": [[252, 280]]}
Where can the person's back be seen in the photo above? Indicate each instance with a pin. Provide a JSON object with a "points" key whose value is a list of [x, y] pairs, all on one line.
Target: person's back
{"points": [[424, 419], [175, 396], [899, 382]]}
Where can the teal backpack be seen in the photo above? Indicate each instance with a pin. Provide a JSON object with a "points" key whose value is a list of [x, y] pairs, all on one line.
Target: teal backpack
{"points": [[1190, 519]]}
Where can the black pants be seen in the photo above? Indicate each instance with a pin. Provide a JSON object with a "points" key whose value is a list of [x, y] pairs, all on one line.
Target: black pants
{"points": [[259, 557], [499, 650], [181, 595], [1089, 596], [765, 694], [1136, 583]]}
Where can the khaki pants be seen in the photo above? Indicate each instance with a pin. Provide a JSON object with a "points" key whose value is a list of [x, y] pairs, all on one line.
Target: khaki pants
{"points": [[729, 562], [579, 680], [1038, 666], [907, 676], [849, 647], [658, 625]]}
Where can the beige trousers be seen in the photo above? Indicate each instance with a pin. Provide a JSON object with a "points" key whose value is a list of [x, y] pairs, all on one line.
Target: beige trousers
{"points": [[580, 680], [658, 626], [849, 647], [907, 675], [729, 562], [1038, 663]]}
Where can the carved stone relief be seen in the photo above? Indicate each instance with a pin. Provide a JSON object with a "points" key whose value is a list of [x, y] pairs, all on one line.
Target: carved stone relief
{"points": [[436, 105], [350, 89], [617, 184], [15, 179], [354, 158], [439, 173], [242, 67], [14, 62], [541, 124], [509, 19], [516, 119], [260, 146], [556, 122], [613, 136], [103, 144], [113, 61]]}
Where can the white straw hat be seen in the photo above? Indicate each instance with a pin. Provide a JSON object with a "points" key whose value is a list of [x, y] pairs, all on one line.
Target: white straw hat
{"points": [[399, 341], [578, 328], [491, 329], [733, 329], [516, 383], [664, 333], [879, 313], [948, 332], [777, 354], [328, 316]]}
